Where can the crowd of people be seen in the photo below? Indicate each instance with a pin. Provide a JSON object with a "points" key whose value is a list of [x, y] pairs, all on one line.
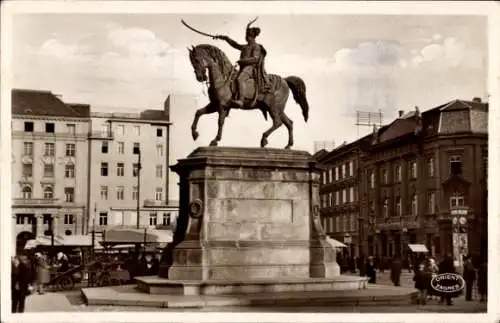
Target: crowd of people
{"points": [[424, 269], [32, 273]]}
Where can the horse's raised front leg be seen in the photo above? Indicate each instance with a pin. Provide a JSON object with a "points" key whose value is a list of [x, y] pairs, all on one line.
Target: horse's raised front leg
{"points": [[197, 115], [222, 116]]}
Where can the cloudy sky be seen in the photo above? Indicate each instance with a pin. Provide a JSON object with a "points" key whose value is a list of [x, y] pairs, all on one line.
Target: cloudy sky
{"points": [[349, 63]]}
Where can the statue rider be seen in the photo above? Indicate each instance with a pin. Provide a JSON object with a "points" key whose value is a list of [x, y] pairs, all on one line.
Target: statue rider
{"points": [[251, 63]]}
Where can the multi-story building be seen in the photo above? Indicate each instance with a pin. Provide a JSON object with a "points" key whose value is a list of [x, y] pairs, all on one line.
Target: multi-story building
{"points": [[75, 170], [339, 198], [415, 172], [130, 170], [49, 165]]}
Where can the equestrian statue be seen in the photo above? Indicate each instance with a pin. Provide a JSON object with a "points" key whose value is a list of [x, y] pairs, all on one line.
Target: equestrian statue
{"points": [[247, 88]]}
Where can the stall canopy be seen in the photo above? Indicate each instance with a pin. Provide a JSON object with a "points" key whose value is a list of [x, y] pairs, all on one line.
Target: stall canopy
{"points": [[69, 241], [418, 248], [130, 236], [335, 243]]}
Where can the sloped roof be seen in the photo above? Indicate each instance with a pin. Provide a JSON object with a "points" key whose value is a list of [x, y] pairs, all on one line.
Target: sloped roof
{"points": [[398, 128], [463, 105], [44, 103], [320, 154]]}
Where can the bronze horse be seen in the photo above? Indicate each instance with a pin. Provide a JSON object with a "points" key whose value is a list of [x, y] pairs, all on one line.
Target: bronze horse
{"points": [[221, 75]]}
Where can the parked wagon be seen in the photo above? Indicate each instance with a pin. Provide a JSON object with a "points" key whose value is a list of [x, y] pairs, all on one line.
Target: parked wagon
{"points": [[66, 280]]}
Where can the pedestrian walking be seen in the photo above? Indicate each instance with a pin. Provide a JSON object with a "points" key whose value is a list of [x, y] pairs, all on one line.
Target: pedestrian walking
{"points": [[432, 270], [361, 265], [62, 262], [421, 279], [42, 272], [371, 271], [469, 277], [396, 268], [150, 265], [482, 281], [21, 279], [447, 267]]}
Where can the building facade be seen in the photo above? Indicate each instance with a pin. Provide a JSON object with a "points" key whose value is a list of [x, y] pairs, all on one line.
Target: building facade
{"points": [[414, 174], [130, 170], [339, 196], [74, 171], [49, 165]]}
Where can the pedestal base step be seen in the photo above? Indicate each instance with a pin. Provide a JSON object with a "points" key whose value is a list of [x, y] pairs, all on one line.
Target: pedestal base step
{"points": [[157, 285], [374, 295]]}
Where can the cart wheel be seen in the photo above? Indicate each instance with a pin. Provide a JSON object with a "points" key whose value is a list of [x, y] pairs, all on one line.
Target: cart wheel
{"points": [[115, 282], [66, 283], [104, 280]]}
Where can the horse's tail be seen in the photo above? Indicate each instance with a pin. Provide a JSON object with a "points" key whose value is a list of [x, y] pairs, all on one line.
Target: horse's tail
{"points": [[298, 87]]}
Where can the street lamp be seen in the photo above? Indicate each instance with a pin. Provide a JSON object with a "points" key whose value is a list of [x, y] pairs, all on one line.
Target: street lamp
{"points": [[401, 237], [137, 151]]}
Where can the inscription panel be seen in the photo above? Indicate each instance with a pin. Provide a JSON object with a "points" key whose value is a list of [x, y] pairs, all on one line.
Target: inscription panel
{"points": [[250, 210]]}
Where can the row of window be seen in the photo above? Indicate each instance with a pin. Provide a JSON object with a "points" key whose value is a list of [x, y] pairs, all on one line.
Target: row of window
{"points": [[338, 172], [456, 200], [49, 149], [153, 219], [340, 223], [48, 193], [347, 195], [455, 168], [48, 170], [120, 169], [120, 148], [22, 219], [69, 193], [50, 127], [120, 193], [119, 129]]}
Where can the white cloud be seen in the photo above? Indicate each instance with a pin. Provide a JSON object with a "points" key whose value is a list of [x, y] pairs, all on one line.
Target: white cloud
{"points": [[437, 36], [379, 53], [138, 42], [450, 52], [57, 49]]}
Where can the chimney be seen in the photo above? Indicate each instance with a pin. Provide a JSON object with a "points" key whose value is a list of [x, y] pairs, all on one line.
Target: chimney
{"points": [[477, 99], [401, 112]]}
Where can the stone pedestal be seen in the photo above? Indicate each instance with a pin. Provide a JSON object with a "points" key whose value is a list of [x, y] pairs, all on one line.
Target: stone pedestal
{"points": [[248, 216]]}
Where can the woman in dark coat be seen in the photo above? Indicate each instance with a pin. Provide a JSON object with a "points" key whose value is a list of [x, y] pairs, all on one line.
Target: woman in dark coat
{"points": [[370, 271], [482, 281], [421, 279], [447, 267], [21, 279]]}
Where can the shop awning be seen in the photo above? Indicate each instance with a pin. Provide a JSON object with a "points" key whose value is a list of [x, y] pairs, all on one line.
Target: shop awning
{"points": [[128, 236], [418, 248], [335, 243], [69, 241]]}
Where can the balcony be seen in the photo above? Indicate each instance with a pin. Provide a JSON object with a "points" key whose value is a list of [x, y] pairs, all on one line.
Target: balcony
{"points": [[395, 223], [35, 202], [108, 135], [155, 203]]}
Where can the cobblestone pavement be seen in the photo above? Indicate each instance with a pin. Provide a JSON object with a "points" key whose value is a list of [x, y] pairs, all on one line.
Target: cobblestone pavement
{"points": [[73, 302]]}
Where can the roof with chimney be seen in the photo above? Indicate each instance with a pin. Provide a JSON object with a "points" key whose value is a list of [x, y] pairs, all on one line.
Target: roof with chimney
{"points": [[404, 125], [44, 103], [457, 116], [460, 116]]}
